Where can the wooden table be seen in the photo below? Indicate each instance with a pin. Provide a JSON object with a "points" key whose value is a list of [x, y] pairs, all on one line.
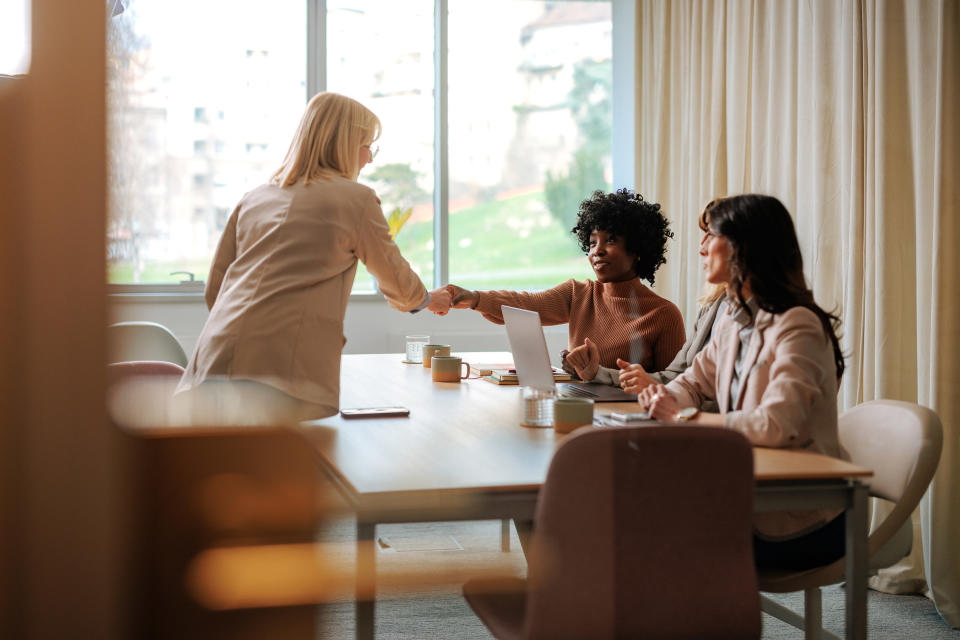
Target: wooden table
{"points": [[462, 455]]}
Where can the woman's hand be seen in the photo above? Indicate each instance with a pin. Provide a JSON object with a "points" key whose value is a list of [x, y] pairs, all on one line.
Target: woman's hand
{"points": [[463, 298], [585, 360], [633, 377], [439, 301], [659, 402], [566, 366]]}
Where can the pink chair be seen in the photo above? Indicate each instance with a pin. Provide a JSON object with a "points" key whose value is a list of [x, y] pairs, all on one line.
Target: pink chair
{"points": [[118, 371], [641, 532], [140, 391]]}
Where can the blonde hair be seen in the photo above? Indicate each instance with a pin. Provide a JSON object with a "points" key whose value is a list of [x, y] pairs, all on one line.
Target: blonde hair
{"points": [[711, 292], [328, 140]]}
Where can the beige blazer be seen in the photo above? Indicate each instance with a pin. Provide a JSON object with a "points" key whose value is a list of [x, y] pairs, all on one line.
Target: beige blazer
{"points": [[280, 281], [702, 328], [788, 394]]}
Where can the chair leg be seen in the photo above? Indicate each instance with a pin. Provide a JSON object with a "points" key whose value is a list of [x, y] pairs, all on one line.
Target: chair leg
{"points": [[505, 535], [812, 614], [812, 628]]}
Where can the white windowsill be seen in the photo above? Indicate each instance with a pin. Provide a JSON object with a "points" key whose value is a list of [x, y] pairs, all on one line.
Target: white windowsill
{"points": [[187, 293]]}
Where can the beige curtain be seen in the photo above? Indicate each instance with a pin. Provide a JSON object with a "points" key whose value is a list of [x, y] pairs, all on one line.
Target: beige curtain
{"points": [[848, 112]]}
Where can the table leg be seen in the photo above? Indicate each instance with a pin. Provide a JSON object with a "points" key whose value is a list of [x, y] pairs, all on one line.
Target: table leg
{"points": [[856, 561], [366, 580]]}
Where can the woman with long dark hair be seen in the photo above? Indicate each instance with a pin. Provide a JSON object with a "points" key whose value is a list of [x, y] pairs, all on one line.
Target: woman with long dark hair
{"points": [[773, 364]]}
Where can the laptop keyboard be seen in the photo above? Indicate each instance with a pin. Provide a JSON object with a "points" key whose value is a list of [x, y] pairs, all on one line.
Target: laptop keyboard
{"points": [[580, 392]]}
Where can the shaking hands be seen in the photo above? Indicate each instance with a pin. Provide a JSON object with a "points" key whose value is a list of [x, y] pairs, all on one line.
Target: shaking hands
{"points": [[439, 301], [451, 296], [463, 298]]}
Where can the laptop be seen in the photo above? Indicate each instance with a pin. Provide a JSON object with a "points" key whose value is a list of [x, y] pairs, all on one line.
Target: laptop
{"points": [[532, 360]]}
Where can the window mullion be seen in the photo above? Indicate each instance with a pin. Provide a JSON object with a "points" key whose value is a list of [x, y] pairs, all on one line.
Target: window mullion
{"points": [[441, 244], [316, 47]]}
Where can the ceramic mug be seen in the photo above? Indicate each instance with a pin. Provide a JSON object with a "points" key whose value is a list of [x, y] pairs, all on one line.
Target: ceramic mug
{"points": [[571, 413], [449, 368], [430, 350]]}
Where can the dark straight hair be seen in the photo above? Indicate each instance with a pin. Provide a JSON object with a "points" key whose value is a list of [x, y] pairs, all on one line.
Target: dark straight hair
{"points": [[765, 250]]}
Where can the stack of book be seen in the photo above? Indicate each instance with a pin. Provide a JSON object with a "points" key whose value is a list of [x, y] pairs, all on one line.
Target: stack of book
{"points": [[506, 374]]}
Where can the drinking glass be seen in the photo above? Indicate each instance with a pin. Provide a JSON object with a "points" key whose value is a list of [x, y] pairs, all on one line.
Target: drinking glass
{"points": [[538, 406], [415, 348]]}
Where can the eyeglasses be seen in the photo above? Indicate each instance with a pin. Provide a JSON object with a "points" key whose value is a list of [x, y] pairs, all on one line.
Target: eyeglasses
{"points": [[373, 150]]}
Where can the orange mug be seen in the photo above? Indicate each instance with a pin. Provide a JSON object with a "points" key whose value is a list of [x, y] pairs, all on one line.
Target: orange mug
{"points": [[449, 368], [430, 350]]}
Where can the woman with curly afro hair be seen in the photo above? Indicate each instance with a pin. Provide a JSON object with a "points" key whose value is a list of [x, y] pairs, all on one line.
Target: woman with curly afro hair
{"points": [[616, 315]]}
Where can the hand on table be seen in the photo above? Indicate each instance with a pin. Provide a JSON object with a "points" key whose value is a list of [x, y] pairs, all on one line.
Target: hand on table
{"points": [[462, 298], [659, 402], [439, 301], [585, 360], [633, 377], [566, 366]]}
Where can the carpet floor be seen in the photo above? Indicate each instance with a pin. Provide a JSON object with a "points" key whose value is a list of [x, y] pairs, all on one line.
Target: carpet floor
{"points": [[451, 553]]}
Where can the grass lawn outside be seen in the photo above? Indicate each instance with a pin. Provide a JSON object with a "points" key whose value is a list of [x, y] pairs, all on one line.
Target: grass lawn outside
{"points": [[512, 243]]}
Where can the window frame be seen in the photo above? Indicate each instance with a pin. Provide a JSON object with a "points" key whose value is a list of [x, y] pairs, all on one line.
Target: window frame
{"points": [[623, 17]]}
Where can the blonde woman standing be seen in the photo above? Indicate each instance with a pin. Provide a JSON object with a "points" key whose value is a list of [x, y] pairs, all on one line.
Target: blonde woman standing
{"points": [[285, 264]]}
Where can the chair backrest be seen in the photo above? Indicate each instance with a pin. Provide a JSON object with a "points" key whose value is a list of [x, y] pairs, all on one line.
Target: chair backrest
{"points": [[901, 442], [645, 532], [119, 371], [140, 392], [136, 341]]}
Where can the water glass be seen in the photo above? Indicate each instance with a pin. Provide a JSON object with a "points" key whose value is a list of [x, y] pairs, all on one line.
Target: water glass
{"points": [[538, 407], [415, 348]]}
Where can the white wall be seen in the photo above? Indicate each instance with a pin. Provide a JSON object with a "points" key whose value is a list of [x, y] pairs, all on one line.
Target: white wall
{"points": [[371, 326]]}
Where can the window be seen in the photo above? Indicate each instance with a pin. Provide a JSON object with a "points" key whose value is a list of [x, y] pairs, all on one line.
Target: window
{"points": [[14, 37], [173, 84], [522, 157], [524, 136]]}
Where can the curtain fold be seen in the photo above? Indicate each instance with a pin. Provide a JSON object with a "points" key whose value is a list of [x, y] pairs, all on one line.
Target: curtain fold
{"points": [[846, 111]]}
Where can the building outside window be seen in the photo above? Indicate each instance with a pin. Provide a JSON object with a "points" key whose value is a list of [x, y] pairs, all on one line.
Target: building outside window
{"points": [[528, 125]]}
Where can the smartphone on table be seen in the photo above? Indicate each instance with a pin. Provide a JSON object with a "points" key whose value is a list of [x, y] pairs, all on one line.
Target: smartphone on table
{"points": [[375, 412]]}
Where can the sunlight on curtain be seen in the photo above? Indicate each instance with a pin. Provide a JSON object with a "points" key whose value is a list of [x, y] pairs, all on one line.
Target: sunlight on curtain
{"points": [[847, 112]]}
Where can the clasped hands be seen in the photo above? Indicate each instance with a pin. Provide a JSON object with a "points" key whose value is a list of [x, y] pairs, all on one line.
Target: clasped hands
{"points": [[651, 395]]}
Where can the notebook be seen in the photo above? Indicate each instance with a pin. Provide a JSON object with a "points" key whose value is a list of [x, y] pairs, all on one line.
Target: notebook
{"points": [[529, 348]]}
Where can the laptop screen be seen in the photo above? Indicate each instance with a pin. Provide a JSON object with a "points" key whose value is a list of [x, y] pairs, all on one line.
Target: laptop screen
{"points": [[529, 347]]}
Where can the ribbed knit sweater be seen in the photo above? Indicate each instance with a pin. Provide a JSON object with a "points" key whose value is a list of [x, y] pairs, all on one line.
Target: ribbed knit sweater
{"points": [[624, 319]]}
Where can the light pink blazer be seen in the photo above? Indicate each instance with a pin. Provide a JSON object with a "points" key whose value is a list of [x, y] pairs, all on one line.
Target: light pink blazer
{"points": [[280, 281], [788, 394]]}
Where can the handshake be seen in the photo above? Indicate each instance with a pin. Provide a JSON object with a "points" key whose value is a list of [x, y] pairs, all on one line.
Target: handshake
{"points": [[443, 298]]}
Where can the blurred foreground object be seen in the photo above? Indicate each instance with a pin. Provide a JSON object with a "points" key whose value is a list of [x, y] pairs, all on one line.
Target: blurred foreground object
{"points": [[200, 490], [397, 218]]}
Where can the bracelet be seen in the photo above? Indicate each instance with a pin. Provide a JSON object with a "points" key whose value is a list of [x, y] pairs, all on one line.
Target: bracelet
{"points": [[476, 300]]}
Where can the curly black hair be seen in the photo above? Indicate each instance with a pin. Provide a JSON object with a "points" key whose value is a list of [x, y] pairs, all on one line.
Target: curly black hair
{"points": [[627, 215]]}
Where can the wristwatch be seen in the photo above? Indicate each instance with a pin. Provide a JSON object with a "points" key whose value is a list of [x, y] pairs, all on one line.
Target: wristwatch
{"points": [[687, 413]]}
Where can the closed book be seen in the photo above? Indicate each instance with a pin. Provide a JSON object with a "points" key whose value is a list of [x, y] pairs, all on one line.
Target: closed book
{"points": [[509, 376], [486, 369]]}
